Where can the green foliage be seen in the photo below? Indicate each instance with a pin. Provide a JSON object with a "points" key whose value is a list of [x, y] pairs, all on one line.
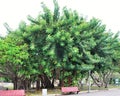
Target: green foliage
{"points": [[12, 54], [65, 41]]}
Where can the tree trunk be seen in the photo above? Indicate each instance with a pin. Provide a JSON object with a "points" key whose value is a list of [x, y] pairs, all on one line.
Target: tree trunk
{"points": [[26, 84], [62, 79], [69, 81], [38, 84], [15, 81], [96, 81], [46, 82]]}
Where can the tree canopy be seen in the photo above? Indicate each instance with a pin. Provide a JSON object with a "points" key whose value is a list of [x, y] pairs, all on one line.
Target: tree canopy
{"points": [[58, 46]]}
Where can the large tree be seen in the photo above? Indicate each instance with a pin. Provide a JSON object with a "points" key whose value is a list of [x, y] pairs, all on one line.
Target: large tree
{"points": [[62, 46]]}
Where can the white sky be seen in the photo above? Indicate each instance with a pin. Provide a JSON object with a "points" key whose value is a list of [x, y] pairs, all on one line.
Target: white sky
{"points": [[13, 11]]}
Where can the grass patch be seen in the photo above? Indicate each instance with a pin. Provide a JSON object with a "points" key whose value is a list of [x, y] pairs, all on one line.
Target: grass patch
{"points": [[49, 91]]}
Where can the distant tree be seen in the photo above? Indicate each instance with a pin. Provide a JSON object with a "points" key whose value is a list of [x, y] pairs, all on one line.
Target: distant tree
{"points": [[12, 56]]}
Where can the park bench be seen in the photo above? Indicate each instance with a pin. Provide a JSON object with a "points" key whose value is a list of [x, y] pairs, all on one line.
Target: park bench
{"points": [[69, 89], [12, 92]]}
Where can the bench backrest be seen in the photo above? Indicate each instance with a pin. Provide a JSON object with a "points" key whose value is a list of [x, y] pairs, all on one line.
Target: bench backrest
{"points": [[12, 92], [69, 89]]}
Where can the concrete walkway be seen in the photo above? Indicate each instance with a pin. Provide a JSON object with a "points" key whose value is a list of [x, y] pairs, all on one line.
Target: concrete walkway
{"points": [[110, 92]]}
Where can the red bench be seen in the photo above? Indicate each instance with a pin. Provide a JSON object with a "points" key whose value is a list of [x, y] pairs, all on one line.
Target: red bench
{"points": [[12, 93], [69, 89]]}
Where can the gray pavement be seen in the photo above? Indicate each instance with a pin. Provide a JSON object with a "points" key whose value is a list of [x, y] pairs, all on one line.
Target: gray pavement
{"points": [[113, 92], [110, 92]]}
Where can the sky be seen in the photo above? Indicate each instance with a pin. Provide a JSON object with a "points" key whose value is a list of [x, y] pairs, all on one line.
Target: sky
{"points": [[14, 11]]}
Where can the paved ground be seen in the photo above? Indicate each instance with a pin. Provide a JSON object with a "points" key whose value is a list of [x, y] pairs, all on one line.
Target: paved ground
{"points": [[111, 92]]}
